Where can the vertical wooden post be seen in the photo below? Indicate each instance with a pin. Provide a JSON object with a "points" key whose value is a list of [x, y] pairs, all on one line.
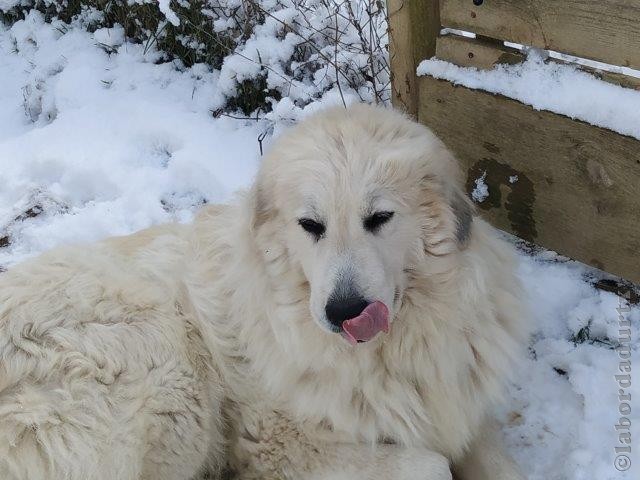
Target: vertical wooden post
{"points": [[414, 26]]}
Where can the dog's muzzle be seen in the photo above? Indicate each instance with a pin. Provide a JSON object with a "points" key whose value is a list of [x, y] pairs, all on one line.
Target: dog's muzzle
{"points": [[357, 319], [339, 309]]}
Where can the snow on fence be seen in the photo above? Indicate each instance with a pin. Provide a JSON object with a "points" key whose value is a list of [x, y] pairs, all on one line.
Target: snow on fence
{"points": [[578, 185]]}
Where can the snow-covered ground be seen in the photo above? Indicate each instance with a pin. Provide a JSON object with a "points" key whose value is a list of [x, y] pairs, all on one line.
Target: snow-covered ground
{"points": [[114, 142], [93, 144]]}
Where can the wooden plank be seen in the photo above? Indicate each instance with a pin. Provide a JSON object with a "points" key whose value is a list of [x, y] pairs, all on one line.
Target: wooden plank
{"points": [[576, 190], [604, 30], [414, 26], [471, 52], [486, 54]]}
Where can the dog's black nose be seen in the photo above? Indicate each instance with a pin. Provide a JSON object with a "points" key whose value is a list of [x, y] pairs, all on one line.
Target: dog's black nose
{"points": [[339, 309]]}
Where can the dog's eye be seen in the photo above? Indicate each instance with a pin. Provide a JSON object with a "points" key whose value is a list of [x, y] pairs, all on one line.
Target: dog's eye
{"points": [[373, 222], [314, 228]]}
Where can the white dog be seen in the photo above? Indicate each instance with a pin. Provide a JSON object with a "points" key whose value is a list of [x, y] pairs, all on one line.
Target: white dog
{"points": [[347, 318]]}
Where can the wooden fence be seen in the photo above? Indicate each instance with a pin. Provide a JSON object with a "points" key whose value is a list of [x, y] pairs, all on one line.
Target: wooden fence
{"points": [[578, 191]]}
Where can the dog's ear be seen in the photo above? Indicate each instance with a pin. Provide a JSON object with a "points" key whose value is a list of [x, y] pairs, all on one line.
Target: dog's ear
{"points": [[443, 193], [447, 215], [463, 210], [460, 204], [260, 208], [261, 204]]}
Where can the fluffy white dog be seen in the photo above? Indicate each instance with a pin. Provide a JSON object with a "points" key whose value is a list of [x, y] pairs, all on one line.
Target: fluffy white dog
{"points": [[347, 318]]}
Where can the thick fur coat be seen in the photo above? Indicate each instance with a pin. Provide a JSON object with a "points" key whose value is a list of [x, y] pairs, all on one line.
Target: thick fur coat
{"points": [[186, 349]]}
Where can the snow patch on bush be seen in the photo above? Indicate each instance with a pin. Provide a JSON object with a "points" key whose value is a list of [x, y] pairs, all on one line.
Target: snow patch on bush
{"points": [[169, 14], [265, 50], [111, 37]]}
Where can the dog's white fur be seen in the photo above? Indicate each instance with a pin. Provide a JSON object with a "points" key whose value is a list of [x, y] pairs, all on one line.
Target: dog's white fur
{"points": [[186, 348]]}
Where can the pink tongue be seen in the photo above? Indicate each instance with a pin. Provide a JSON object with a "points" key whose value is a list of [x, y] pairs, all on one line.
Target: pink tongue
{"points": [[373, 319]]}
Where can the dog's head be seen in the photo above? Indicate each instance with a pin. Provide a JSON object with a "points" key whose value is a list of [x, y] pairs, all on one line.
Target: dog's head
{"points": [[359, 199]]}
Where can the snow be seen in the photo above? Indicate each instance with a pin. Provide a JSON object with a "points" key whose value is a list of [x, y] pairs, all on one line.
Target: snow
{"points": [[116, 141], [111, 37], [550, 86], [169, 14], [8, 4], [567, 427], [481, 190], [103, 140]]}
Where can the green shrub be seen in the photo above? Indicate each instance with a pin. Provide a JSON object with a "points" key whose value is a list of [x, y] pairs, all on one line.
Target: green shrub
{"points": [[265, 50]]}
